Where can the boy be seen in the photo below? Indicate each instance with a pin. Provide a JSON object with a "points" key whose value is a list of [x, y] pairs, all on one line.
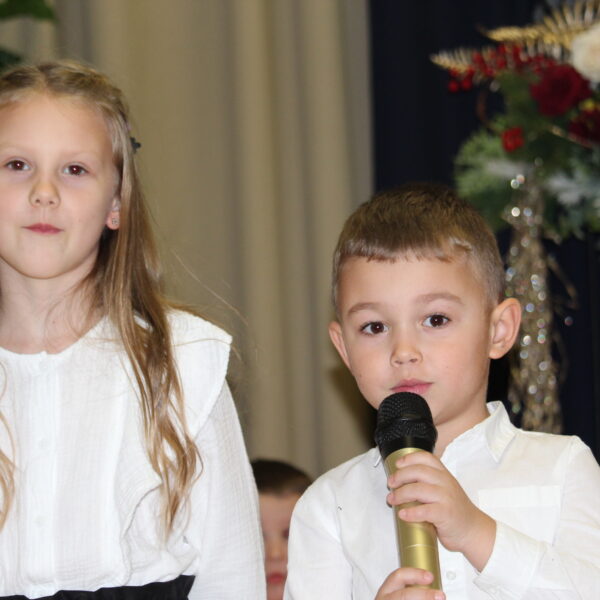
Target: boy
{"points": [[279, 486], [418, 293]]}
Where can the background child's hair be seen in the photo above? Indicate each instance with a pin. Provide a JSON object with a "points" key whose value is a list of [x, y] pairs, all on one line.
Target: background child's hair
{"points": [[125, 283], [425, 220], [279, 478]]}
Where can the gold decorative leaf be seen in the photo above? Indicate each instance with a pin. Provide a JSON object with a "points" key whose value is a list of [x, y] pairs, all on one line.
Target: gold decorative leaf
{"points": [[552, 37], [459, 59], [514, 35], [555, 33]]}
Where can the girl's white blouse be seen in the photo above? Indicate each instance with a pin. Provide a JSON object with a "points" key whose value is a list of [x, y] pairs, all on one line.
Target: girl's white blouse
{"points": [[87, 500]]}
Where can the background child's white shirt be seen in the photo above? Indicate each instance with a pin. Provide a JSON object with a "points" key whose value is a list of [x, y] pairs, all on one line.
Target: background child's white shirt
{"points": [[87, 499], [544, 490]]}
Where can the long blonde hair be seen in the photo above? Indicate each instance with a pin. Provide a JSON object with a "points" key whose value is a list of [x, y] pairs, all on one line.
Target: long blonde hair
{"points": [[126, 283]]}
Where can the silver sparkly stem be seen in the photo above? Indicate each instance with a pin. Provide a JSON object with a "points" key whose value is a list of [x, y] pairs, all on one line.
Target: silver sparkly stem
{"points": [[533, 392]]}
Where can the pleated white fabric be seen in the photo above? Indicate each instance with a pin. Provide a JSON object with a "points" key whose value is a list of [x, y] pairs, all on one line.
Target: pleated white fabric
{"points": [[87, 498]]}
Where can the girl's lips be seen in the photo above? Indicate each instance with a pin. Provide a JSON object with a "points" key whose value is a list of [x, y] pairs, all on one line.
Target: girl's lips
{"points": [[43, 228], [415, 387]]}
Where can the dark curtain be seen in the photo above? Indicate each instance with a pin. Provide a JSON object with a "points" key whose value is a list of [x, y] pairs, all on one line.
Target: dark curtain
{"points": [[418, 128]]}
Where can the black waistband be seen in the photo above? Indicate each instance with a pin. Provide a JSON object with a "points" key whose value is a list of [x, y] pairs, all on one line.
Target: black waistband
{"points": [[178, 589]]}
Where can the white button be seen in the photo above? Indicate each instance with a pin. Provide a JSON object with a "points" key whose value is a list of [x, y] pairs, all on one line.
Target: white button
{"points": [[44, 444], [39, 521], [451, 575]]}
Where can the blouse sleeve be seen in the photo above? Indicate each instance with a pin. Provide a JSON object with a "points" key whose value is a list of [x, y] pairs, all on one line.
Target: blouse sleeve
{"points": [[224, 524]]}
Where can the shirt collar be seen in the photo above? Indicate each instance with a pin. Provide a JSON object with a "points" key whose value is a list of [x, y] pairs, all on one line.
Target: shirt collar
{"points": [[497, 430], [376, 456]]}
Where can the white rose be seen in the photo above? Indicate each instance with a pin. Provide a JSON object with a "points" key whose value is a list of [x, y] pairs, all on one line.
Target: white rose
{"points": [[585, 53]]}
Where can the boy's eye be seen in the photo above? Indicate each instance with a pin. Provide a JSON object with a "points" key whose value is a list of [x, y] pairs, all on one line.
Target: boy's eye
{"points": [[374, 327], [75, 170], [17, 165], [436, 321]]}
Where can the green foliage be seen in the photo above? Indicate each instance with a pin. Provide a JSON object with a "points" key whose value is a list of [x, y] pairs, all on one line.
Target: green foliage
{"points": [[8, 58], [517, 99], [9, 9], [488, 191], [550, 151], [566, 170], [38, 9]]}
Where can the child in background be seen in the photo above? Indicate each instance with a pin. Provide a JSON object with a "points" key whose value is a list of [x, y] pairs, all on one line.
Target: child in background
{"points": [[123, 472], [279, 487], [418, 292]]}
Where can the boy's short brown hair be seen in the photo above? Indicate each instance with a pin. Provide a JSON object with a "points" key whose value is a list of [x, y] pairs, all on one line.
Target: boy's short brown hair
{"points": [[425, 220]]}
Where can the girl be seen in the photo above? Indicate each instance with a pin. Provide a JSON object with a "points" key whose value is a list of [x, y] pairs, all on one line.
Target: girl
{"points": [[123, 473]]}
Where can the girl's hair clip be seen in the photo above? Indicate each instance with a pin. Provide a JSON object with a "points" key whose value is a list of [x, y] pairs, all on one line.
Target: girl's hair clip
{"points": [[135, 144]]}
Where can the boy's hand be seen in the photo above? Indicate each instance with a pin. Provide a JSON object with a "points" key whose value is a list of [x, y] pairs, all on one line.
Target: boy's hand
{"points": [[394, 587], [460, 525]]}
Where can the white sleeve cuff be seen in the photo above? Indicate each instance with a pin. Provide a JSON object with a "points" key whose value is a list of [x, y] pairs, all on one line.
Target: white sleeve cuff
{"points": [[512, 564]]}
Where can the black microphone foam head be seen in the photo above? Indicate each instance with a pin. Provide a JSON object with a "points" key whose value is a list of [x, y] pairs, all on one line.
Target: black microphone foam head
{"points": [[404, 421]]}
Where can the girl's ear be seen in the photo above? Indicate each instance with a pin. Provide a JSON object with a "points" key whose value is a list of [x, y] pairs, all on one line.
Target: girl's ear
{"points": [[504, 325], [113, 220], [335, 333]]}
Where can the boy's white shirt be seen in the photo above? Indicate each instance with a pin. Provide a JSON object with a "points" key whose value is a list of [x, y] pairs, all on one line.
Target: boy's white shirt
{"points": [[543, 490], [87, 499]]}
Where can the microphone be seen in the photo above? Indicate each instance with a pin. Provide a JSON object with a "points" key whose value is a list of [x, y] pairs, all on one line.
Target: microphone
{"points": [[405, 425]]}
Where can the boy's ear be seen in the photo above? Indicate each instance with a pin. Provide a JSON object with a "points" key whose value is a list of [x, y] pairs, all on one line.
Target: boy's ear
{"points": [[335, 333], [505, 323]]}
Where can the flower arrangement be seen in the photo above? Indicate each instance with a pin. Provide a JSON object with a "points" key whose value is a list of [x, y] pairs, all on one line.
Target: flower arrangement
{"points": [[548, 76], [536, 167]]}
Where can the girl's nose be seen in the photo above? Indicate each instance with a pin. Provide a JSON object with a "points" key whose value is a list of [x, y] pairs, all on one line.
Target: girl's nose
{"points": [[44, 193]]}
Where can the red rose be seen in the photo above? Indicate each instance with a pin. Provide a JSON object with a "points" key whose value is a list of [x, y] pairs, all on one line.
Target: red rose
{"points": [[586, 125], [512, 139], [560, 87]]}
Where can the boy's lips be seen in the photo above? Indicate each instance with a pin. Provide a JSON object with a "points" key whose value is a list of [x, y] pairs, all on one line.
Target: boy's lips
{"points": [[414, 386], [43, 228], [274, 578]]}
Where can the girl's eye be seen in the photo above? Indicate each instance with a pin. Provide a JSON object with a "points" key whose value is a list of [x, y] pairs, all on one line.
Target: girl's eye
{"points": [[436, 321], [75, 170], [374, 328], [17, 165]]}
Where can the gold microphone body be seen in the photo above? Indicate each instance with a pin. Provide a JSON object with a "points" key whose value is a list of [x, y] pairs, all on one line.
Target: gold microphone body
{"points": [[417, 542]]}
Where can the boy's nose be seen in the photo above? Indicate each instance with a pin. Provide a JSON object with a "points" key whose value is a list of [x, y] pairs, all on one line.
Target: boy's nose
{"points": [[276, 549], [405, 351]]}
